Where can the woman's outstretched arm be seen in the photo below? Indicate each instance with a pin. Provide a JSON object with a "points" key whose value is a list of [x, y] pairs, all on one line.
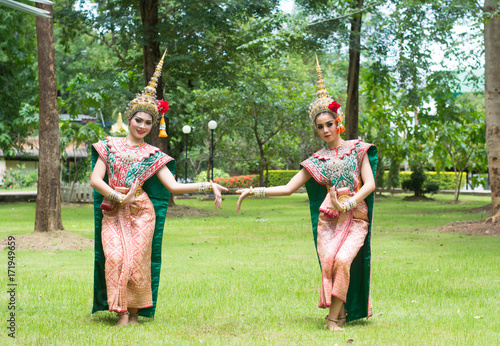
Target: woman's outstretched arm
{"points": [[168, 180], [284, 190]]}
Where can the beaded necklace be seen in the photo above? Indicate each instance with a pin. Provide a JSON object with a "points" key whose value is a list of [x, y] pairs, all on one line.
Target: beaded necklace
{"points": [[129, 156]]}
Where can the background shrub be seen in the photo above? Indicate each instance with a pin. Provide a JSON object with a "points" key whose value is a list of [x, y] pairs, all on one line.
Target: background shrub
{"points": [[416, 182], [280, 177], [239, 182], [202, 176], [445, 180], [431, 188], [19, 178]]}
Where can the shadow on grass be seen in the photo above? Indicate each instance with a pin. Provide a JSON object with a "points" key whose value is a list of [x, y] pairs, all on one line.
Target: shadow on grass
{"points": [[107, 318], [320, 322]]}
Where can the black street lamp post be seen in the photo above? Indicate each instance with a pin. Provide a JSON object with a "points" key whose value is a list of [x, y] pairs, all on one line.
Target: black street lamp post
{"points": [[212, 125], [186, 129]]}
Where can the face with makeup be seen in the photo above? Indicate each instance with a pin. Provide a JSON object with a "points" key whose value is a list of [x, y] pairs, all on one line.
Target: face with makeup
{"points": [[140, 125], [327, 129]]}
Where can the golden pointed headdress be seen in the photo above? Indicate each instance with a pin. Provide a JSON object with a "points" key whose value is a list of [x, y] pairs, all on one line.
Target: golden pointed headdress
{"points": [[324, 103], [146, 101], [323, 99]]}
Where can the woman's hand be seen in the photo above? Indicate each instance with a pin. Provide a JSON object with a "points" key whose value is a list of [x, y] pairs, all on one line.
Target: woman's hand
{"points": [[129, 193], [217, 189], [244, 194], [335, 203]]}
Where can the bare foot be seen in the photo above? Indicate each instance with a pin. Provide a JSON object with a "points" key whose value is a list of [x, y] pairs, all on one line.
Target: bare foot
{"points": [[333, 324], [122, 319], [133, 316]]}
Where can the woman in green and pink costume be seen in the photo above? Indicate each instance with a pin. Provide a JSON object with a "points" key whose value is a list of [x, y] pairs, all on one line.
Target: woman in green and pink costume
{"points": [[340, 183], [133, 181]]}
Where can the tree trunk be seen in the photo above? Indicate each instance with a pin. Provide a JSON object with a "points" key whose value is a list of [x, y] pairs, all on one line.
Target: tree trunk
{"points": [[209, 168], [266, 182], [352, 104], [48, 202], [492, 102], [262, 167], [151, 57], [458, 182]]}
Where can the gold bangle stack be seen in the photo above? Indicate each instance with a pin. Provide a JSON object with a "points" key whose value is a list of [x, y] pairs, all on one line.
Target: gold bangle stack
{"points": [[258, 192], [349, 204], [116, 196], [205, 186]]}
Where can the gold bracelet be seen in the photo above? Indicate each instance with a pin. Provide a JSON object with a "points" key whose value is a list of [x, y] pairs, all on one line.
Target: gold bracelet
{"points": [[203, 186], [260, 192], [116, 196]]}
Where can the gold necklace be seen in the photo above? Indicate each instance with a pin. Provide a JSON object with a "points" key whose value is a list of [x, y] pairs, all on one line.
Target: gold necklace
{"points": [[337, 145], [133, 145]]}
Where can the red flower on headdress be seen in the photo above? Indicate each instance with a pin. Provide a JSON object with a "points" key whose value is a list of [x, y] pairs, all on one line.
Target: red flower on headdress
{"points": [[162, 106], [334, 106]]}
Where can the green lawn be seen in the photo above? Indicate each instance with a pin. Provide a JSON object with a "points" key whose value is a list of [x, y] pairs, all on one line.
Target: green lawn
{"points": [[253, 278]]}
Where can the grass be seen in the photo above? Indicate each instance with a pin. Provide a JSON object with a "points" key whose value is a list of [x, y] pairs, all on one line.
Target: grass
{"points": [[253, 278]]}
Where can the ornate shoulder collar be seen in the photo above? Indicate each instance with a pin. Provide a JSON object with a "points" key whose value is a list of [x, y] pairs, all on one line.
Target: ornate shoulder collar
{"points": [[344, 149], [118, 145]]}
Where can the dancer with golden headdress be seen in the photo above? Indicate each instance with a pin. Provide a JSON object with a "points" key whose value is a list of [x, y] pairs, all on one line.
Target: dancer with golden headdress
{"points": [[133, 180], [340, 183]]}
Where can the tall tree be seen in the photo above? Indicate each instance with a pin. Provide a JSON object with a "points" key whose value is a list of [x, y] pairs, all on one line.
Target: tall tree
{"points": [[352, 104], [151, 56], [492, 100], [48, 201]]}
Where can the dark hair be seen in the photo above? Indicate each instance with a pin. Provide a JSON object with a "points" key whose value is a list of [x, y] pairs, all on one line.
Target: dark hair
{"points": [[326, 112]]}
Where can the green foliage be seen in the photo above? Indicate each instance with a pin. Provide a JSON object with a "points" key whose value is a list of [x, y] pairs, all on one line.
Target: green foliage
{"points": [[280, 177], [393, 174], [416, 182], [432, 188], [460, 136], [19, 178], [78, 173], [240, 181], [445, 180], [218, 173], [263, 119], [18, 73], [72, 135]]}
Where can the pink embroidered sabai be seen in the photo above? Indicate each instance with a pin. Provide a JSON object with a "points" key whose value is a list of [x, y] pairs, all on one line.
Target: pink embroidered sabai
{"points": [[127, 230]]}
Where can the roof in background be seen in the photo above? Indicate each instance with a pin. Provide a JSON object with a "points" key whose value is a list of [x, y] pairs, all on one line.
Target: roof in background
{"points": [[30, 150]]}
